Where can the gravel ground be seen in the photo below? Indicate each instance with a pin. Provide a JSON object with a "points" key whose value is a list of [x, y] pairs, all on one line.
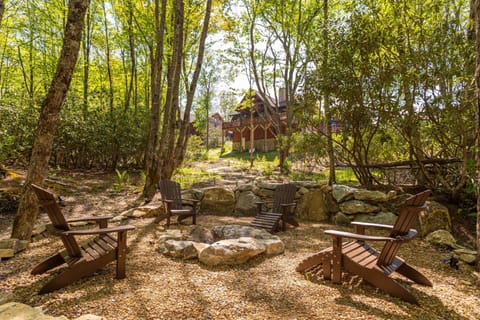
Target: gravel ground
{"points": [[159, 287]]}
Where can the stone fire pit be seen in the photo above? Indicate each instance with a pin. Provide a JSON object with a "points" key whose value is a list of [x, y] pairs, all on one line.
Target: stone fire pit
{"points": [[221, 245]]}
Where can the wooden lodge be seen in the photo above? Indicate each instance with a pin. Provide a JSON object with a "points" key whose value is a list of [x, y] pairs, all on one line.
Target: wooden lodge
{"points": [[255, 118]]}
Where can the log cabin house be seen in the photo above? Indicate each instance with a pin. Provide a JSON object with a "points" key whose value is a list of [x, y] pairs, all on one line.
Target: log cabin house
{"points": [[257, 117]]}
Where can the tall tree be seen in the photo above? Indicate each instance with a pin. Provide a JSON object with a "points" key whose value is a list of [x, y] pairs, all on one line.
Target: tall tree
{"points": [[190, 88], [37, 171], [477, 81], [326, 98], [2, 10], [151, 167]]}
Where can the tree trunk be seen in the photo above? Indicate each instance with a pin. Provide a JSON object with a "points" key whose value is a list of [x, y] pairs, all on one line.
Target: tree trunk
{"points": [[107, 53], [165, 154], [151, 162], [477, 81], [328, 115], [184, 134], [87, 44], [28, 209], [2, 10]]}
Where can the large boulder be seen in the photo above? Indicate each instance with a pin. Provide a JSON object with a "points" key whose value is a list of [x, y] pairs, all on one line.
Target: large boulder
{"points": [[357, 206], [202, 234], [312, 206], [246, 203], [15, 310], [436, 218], [368, 195], [443, 238], [342, 219], [231, 251], [218, 200], [381, 218], [233, 231], [9, 247], [465, 255], [342, 193], [179, 249]]}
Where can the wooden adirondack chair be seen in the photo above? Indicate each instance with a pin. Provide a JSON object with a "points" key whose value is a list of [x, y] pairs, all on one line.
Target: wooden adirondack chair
{"points": [[85, 259], [171, 197], [283, 210], [357, 257]]}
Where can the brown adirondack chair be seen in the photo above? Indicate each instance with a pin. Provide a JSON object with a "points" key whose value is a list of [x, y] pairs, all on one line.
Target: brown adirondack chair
{"points": [[171, 197], [357, 257], [82, 260], [283, 210]]}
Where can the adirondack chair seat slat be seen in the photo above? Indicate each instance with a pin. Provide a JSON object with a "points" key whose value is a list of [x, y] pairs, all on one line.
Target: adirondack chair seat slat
{"points": [[81, 260], [104, 244], [357, 257], [282, 211]]}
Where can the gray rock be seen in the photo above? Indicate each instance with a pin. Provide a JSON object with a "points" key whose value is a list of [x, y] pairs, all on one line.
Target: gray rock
{"points": [[264, 193], [302, 191], [268, 186], [312, 206], [395, 203], [381, 218], [442, 237], [232, 231], [195, 194], [179, 249], [244, 187], [171, 234], [9, 247], [465, 255], [342, 193], [246, 203], [202, 234], [307, 184], [231, 251], [146, 211], [357, 206], [273, 246], [342, 219], [391, 194], [368, 195], [437, 217], [218, 200], [331, 204]]}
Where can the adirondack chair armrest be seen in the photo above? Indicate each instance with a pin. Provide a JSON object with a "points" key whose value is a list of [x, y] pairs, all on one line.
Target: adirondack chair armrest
{"points": [[101, 221], [343, 234], [286, 206], [98, 231], [260, 205], [192, 202], [360, 226]]}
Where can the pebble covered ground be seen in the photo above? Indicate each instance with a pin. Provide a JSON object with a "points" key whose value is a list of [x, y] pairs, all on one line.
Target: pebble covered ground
{"points": [[159, 287]]}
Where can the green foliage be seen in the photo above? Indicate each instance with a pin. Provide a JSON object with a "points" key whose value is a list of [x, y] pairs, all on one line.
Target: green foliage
{"points": [[122, 178], [189, 176]]}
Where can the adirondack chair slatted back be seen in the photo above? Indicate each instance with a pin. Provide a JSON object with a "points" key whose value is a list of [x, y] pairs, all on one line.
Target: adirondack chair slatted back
{"points": [[409, 212], [284, 194], [170, 190], [48, 203]]}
